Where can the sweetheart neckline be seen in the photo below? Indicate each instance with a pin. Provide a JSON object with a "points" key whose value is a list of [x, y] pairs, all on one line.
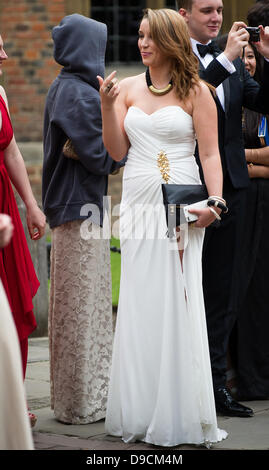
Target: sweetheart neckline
{"points": [[160, 109]]}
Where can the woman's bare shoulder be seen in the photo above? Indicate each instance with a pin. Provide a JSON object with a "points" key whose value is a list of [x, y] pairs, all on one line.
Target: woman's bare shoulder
{"points": [[131, 81], [202, 92], [201, 89]]}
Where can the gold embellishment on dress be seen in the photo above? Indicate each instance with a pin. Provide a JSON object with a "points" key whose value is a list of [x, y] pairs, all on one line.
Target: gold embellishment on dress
{"points": [[163, 164]]}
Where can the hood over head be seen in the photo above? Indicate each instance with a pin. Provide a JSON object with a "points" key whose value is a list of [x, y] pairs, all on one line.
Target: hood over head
{"points": [[79, 46]]}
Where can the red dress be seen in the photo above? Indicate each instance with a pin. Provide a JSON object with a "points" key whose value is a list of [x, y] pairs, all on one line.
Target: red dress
{"points": [[16, 267]]}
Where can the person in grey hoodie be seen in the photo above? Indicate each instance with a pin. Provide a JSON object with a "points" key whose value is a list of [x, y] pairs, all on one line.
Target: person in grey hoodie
{"points": [[80, 313]]}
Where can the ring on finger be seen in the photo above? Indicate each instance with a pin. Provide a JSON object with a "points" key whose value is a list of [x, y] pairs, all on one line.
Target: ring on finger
{"points": [[110, 85]]}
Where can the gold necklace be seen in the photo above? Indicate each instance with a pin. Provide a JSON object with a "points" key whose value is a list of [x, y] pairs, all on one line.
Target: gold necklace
{"points": [[157, 91]]}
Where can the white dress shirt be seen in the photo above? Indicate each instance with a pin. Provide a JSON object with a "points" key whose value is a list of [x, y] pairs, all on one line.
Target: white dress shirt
{"points": [[229, 66]]}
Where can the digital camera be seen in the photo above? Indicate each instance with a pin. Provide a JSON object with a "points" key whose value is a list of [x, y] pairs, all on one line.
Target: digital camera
{"points": [[254, 33]]}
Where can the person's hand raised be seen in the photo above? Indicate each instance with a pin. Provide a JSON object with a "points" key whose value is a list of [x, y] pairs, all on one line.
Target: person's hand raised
{"points": [[109, 89], [238, 38], [263, 44]]}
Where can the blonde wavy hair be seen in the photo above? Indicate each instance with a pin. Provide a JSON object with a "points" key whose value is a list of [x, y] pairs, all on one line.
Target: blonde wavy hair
{"points": [[170, 34]]}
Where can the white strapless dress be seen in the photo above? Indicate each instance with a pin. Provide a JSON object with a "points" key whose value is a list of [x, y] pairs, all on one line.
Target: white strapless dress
{"points": [[15, 430], [161, 386]]}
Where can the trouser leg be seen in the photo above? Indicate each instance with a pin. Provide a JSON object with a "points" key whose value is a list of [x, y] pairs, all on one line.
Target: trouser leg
{"points": [[221, 271]]}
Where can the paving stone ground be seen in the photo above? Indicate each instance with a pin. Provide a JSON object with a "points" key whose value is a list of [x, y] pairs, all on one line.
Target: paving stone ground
{"points": [[49, 434]]}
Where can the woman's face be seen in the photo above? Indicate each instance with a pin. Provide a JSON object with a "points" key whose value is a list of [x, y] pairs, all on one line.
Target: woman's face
{"points": [[150, 53], [3, 55], [250, 60]]}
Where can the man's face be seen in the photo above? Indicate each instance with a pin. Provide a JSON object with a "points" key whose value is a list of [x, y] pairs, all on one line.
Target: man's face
{"points": [[204, 20]]}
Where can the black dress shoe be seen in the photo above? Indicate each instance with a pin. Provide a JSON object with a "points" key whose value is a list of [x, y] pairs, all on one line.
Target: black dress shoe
{"points": [[226, 405]]}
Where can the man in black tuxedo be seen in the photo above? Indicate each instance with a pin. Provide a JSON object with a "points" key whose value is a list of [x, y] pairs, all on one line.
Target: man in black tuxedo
{"points": [[222, 254]]}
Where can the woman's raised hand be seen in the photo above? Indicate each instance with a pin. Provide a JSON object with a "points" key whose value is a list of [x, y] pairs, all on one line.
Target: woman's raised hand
{"points": [[109, 89]]}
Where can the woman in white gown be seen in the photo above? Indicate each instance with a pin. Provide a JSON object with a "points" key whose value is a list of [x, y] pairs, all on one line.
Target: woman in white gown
{"points": [[161, 387], [15, 430]]}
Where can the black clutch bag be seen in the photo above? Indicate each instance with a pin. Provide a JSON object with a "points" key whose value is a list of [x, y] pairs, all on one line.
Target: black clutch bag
{"points": [[177, 195]]}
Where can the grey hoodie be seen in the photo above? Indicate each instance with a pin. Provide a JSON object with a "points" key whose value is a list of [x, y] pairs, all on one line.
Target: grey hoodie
{"points": [[73, 111]]}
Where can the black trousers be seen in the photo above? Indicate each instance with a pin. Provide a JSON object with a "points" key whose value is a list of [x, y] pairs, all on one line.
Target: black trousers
{"points": [[250, 352], [222, 278]]}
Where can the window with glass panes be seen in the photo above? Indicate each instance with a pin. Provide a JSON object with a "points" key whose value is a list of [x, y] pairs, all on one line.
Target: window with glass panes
{"points": [[122, 18], [170, 4]]}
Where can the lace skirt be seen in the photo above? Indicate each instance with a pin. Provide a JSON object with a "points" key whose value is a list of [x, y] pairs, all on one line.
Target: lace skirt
{"points": [[80, 325]]}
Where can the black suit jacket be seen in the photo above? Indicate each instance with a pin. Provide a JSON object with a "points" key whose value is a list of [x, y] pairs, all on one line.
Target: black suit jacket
{"points": [[240, 90]]}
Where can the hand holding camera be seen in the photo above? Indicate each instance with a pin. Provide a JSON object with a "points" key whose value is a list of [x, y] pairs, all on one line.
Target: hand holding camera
{"points": [[239, 36], [263, 44], [237, 39]]}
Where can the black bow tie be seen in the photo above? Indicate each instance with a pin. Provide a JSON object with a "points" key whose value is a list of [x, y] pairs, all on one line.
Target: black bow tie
{"points": [[210, 48]]}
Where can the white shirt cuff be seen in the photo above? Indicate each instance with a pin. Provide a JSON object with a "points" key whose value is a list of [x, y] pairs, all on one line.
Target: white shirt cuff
{"points": [[229, 66]]}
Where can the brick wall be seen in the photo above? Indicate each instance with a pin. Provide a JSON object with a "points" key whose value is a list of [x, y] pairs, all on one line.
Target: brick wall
{"points": [[26, 30]]}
